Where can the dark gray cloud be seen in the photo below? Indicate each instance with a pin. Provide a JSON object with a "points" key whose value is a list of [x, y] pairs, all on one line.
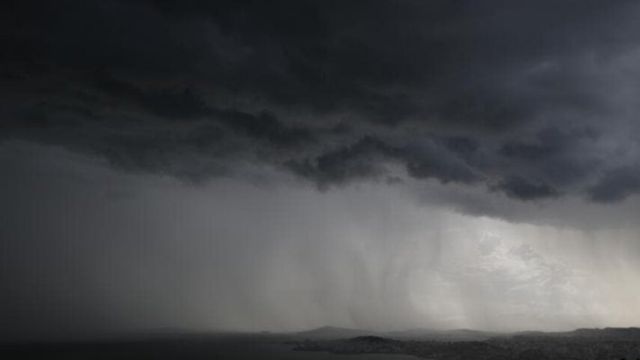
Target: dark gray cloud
{"points": [[520, 188], [521, 98], [616, 185], [360, 160]]}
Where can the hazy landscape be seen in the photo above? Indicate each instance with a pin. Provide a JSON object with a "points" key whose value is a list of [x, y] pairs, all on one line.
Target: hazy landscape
{"points": [[351, 344], [222, 179]]}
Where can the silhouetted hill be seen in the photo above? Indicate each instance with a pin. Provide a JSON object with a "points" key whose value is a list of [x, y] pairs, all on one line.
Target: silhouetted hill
{"points": [[442, 335], [609, 333], [331, 332], [370, 339], [335, 333], [631, 333]]}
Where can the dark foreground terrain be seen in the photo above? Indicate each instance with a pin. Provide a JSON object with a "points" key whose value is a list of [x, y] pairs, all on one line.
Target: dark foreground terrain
{"points": [[333, 343], [211, 347], [521, 347]]}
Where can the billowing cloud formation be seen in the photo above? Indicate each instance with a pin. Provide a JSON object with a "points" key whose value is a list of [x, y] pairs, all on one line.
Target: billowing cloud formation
{"points": [[534, 100]]}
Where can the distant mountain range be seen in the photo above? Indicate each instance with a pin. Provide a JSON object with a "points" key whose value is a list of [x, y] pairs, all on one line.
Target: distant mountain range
{"points": [[630, 333], [331, 332], [334, 333], [341, 333]]}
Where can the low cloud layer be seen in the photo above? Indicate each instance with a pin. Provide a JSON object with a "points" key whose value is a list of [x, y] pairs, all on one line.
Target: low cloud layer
{"points": [[92, 251], [534, 101]]}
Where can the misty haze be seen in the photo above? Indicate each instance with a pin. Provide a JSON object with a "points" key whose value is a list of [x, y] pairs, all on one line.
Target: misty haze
{"points": [[313, 179]]}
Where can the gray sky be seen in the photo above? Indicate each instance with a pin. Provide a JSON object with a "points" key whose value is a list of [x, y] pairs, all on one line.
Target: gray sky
{"points": [[292, 164]]}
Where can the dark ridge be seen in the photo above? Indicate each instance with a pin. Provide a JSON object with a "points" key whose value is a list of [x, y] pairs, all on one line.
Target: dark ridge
{"points": [[371, 339]]}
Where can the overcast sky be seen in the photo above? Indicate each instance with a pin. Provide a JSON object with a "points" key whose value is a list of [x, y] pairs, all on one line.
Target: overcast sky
{"points": [[283, 165]]}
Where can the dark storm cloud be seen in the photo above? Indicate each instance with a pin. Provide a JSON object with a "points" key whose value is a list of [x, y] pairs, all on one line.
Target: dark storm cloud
{"points": [[359, 160], [616, 185], [524, 189], [186, 104], [522, 98]]}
